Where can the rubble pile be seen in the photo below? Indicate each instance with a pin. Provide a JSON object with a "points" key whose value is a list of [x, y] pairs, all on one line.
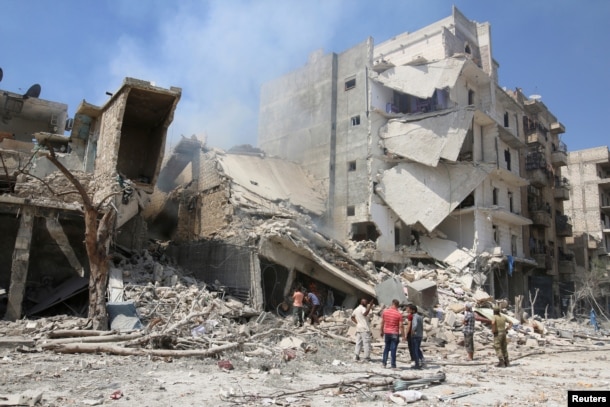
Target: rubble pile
{"points": [[53, 187]]}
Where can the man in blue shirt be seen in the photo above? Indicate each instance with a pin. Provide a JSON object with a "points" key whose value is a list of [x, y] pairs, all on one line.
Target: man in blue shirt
{"points": [[314, 305]]}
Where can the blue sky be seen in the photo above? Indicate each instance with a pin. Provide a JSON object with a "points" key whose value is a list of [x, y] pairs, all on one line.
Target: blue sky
{"points": [[220, 52]]}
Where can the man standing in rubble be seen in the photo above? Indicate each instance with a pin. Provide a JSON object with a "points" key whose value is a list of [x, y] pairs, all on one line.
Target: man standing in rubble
{"points": [[314, 305], [391, 329], [498, 327], [297, 306], [363, 329], [469, 330], [417, 334]]}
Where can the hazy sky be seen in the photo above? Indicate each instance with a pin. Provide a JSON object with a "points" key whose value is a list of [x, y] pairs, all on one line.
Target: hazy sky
{"points": [[220, 52]]}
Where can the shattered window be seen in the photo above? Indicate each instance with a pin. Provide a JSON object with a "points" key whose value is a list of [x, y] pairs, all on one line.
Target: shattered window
{"points": [[355, 120]]}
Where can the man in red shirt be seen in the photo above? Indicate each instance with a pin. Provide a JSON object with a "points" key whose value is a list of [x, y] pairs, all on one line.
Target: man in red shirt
{"points": [[391, 330]]}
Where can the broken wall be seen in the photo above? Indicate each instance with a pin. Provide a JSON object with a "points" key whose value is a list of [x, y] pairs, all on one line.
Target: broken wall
{"points": [[235, 268]]}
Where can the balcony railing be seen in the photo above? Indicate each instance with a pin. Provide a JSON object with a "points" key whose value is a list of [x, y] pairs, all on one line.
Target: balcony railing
{"points": [[563, 227], [559, 155], [562, 189]]}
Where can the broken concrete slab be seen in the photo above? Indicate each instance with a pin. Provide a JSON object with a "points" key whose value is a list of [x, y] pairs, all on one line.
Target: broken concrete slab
{"points": [[389, 290], [423, 80], [447, 252], [26, 398], [428, 139], [429, 194], [423, 293]]}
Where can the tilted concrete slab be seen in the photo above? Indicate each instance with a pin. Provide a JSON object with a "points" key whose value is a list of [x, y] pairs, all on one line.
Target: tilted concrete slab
{"points": [[446, 251], [274, 179], [428, 138], [419, 193], [423, 80]]}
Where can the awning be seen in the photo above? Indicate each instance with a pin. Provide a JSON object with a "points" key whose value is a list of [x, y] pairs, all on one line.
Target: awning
{"points": [[428, 139], [419, 193], [423, 80]]}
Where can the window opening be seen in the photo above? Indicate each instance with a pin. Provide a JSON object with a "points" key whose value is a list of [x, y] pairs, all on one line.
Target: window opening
{"points": [[351, 166], [350, 84], [351, 210], [355, 120], [495, 196], [470, 97]]}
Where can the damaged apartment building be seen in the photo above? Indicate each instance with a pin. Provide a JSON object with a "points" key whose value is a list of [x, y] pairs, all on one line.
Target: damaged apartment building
{"points": [[425, 156], [113, 150], [589, 208]]}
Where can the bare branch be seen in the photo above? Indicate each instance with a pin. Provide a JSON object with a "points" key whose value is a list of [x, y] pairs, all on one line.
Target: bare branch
{"points": [[81, 190]]}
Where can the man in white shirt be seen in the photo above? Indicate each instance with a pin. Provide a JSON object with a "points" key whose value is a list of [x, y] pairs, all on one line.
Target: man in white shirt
{"points": [[363, 329]]}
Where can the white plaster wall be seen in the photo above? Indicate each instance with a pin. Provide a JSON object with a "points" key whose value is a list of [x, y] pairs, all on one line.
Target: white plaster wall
{"points": [[385, 220], [380, 96]]}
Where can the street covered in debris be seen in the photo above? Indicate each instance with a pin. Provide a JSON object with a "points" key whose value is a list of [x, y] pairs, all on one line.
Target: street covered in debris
{"points": [[203, 347]]}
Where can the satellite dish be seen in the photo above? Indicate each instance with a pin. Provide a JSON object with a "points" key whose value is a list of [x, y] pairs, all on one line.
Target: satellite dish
{"points": [[1, 74], [33, 92]]}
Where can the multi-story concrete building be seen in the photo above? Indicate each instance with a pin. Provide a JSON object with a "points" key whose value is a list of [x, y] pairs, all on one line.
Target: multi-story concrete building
{"points": [[419, 147], [589, 207]]}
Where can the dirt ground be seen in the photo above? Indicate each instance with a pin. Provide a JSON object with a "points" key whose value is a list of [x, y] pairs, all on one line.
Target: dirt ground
{"points": [[326, 375]]}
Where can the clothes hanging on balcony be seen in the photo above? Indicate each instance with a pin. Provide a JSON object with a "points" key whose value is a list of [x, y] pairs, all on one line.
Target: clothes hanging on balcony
{"points": [[511, 265]]}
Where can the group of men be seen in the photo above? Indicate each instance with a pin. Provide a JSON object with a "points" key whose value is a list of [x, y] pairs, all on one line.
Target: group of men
{"points": [[392, 328], [298, 299], [412, 332]]}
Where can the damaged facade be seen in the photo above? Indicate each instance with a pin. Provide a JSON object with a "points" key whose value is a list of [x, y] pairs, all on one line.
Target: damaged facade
{"points": [[116, 147], [423, 153], [245, 223], [589, 208]]}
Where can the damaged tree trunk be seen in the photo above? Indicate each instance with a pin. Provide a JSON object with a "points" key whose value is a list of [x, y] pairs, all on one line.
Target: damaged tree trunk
{"points": [[99, 224]]}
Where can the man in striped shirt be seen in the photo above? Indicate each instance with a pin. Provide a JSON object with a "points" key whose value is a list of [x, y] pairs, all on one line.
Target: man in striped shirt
{"points": [[391, 329]]}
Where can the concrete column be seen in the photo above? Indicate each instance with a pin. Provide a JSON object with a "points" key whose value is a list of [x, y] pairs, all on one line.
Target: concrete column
{"points": [[19, 268]]}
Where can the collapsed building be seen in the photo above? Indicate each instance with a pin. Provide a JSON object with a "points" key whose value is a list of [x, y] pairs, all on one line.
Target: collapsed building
{"points": [[113, 150], [369, 160], [247, 223], [424, 155]]}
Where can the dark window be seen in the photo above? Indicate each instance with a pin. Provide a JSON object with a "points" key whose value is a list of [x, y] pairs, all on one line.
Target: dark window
{"points": [[496, 233], [355, 120], [495, 196], [506, 119], [351, 166], [350, 84], [471, 97], [467, 49], [507, 158], [510, 201], [351, 211]]}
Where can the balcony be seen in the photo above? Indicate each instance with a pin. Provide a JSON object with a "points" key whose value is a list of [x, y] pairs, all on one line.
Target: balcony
{"points": [[541, 254], [541, 218], [536, 167], [557, 128], [566, 262], [562, 189], [562, 226], [539, 177], [559, 155]]}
